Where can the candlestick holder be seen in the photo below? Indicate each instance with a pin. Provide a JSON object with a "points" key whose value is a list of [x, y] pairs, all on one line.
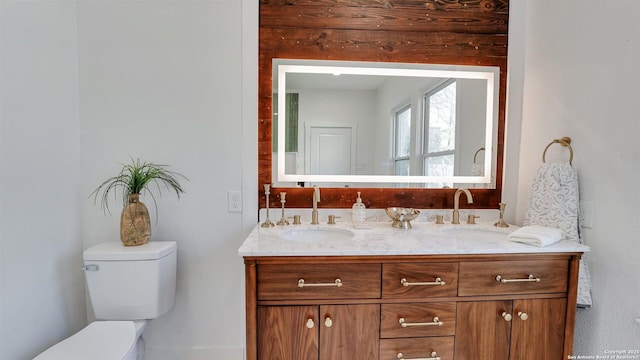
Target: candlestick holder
{"points": [[501, 222], [267, 222], [283, 221]]}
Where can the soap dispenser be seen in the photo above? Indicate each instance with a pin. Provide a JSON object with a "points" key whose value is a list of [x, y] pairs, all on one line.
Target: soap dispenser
{"points": [[358, 212]]}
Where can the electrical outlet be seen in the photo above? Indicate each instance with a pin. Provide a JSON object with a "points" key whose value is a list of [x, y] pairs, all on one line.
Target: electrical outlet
{"points": [[586, 213], [234, 203]]}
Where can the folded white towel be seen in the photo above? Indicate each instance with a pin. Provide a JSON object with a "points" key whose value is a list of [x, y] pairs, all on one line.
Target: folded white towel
{"points": [[536, 235]]}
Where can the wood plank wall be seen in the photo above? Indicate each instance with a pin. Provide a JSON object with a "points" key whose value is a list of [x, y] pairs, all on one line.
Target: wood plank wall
{"points": [[464, 32]]}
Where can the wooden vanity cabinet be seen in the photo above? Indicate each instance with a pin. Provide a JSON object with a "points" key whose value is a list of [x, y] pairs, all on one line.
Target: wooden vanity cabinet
{"points": [[498, 307]]}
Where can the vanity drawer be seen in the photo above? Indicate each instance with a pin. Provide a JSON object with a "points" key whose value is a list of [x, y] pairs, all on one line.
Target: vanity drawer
{"points": [[513, 277], [417, 348], [420, 280], [318, 281], [419, 319]]}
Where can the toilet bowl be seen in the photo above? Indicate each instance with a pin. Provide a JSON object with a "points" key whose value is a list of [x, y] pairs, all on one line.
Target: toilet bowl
{"points": [[127, 286], [101, 340]]}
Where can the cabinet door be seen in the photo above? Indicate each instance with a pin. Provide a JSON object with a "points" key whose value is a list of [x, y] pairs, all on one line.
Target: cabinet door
{"points": [[482, 333], [288, 332], [538, 329], [349, 332]]}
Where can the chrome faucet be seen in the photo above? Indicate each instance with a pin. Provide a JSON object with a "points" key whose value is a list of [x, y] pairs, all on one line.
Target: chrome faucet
{"points": [[456, 204], [316, 200]]}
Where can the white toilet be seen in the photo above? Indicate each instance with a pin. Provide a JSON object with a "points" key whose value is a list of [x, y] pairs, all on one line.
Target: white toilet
{"points": [[127, 286]]}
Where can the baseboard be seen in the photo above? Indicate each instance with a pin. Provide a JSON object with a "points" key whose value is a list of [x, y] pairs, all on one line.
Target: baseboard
{"points": [[195, 353]]}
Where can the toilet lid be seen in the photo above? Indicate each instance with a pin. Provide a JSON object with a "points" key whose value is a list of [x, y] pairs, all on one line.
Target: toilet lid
{"points": [[100, 340]]}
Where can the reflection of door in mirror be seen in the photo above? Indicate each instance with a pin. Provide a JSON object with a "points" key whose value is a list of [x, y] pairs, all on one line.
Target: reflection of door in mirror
{"points": [[329, 150]]}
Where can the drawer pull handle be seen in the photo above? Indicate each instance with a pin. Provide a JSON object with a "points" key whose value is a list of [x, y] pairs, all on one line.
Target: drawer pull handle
{"points": [[436, 322], [438, 281], [310, 324], [337, 283], [531, 278], [434, 356], [506, 316]]}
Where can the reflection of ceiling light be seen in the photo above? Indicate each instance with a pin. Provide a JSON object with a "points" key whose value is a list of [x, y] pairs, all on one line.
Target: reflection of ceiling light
{"points": [[337, 74]]}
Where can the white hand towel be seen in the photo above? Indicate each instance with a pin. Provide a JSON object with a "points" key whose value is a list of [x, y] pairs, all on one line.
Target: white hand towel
{"points": [[536, 235]]}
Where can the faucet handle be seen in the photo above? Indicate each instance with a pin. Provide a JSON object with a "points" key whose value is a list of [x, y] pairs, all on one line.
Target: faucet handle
{"points": [[471, 219], [332, 219], [296, 220]]}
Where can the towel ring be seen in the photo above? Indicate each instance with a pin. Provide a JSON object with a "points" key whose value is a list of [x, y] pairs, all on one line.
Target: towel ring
{"points": [[566, 142], [476, 154]]}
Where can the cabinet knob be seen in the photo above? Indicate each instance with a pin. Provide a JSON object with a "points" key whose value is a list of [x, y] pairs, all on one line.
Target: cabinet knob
{"points": [[523, 315], [310, 324], [328, 322], [506, 316]]}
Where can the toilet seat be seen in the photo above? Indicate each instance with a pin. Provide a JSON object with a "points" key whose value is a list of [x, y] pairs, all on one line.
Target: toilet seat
{"points": [[100, 340]]}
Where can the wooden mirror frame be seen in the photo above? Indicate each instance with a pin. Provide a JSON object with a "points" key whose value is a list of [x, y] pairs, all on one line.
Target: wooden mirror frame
{"points": [[462, 32]]}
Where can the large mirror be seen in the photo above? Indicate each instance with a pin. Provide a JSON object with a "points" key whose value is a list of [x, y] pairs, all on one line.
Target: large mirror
{"points": [[377, 124]]}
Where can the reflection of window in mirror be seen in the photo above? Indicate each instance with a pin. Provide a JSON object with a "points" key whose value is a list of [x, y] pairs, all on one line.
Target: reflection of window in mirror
{"points": [[402, 140], [440, 130], [291, 130]]}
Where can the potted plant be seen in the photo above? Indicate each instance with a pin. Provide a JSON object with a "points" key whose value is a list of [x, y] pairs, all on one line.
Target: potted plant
{"points": [[133, 179]]}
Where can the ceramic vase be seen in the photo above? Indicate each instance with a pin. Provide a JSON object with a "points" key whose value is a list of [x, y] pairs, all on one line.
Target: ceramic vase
{"points": [[135, 224]]}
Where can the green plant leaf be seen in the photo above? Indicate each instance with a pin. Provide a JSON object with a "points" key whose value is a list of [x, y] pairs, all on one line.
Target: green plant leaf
{"points": [[135, 178]]}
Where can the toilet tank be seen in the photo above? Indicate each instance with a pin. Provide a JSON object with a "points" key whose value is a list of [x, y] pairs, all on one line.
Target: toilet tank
{"points": [[131, 282]]}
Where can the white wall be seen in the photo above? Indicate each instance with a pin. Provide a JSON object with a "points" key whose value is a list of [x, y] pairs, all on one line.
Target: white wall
{"points": [[163, 81], [471, 112], [579, 60], [42, 289], [85, 85]]}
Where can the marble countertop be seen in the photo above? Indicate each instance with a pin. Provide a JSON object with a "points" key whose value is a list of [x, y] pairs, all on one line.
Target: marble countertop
{"points": [[379, 238]]}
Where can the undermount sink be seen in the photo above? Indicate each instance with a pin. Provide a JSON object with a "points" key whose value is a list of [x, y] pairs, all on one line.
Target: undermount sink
{"points": [[317, 234]]}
